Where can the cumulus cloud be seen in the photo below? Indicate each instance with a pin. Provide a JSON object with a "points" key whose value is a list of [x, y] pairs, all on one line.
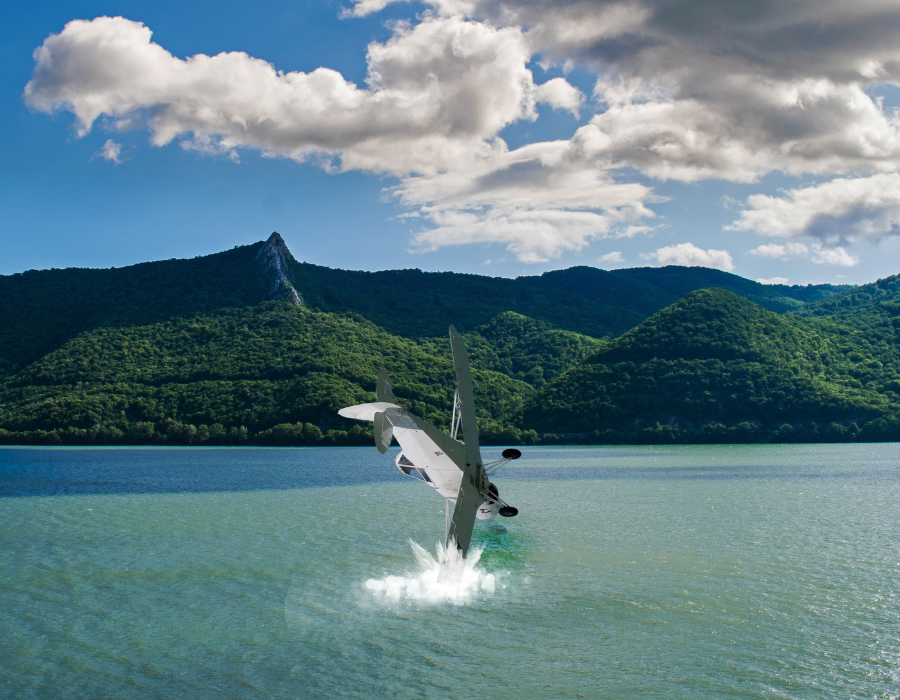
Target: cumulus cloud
{"points": [[780, 252], [698, 89], [842, 211], [690, 255], [773, 280], [437, 92], [834, 256], [363, 8], [559, 94], [111, 151], [702, 90], [613, 257], [538, 200], [684, 91], [818, 254]]}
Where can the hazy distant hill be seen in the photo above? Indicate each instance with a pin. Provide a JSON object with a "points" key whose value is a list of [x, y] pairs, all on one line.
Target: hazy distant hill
{"points": [[846, 301], [251, 345]]}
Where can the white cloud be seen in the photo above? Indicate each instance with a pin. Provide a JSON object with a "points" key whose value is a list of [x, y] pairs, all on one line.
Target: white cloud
{"points": [[819, 254], [437, 93], [637, 230], [613, 257], [690, 255], [362, 8], [702, 90], [538, 200], [844, 210], [533, 236], [834, 256], [111, 151], [689, 91], [449, 8], [559, 94], [780, 252], [773, 280]]}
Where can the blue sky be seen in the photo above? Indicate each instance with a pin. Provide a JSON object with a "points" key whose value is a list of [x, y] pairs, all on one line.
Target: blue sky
{"points": [[646, 151]]}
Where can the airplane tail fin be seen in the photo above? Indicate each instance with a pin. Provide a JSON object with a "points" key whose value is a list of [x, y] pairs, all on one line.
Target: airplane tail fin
{"points": [[383, 428], [384, 388]]}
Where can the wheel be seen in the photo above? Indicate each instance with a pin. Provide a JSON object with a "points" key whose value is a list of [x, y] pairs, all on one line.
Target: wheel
{"points": [[509, 512], [511, 453]]}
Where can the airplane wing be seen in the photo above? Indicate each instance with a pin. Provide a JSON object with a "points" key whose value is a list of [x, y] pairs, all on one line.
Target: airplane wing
{"points": [[474, 481], [468, 500], [366, 411]]}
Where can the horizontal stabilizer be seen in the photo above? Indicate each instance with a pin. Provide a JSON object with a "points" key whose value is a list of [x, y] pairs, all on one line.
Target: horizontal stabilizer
{"points": [[366, 411]]}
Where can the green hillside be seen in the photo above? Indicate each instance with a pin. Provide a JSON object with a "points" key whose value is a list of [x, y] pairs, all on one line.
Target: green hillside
{"points": [[251, 346], [270, 364], [715, 367], [43, 309], [866, 321], [520, 347]]}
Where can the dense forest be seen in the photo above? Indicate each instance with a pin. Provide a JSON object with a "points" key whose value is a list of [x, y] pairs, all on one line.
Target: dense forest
{"points": [[250, 346]]}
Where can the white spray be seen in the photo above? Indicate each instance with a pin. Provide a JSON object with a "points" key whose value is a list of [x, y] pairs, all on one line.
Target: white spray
{"points": [[424, 586]]}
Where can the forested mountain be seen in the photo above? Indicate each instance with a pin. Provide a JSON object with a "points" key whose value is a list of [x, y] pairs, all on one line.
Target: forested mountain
{"points": [[714, 367], [251, 346], [42, 309]]}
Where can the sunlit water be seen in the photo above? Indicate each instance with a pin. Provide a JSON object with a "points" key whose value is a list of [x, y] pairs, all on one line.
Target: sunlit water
{"points": [[669, 572]]}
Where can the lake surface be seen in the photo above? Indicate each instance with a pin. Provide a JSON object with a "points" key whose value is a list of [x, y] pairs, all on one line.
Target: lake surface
{"points": [[664, 572]]}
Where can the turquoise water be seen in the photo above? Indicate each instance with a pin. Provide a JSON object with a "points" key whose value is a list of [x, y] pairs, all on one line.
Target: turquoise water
{"points": [[669, 572]]}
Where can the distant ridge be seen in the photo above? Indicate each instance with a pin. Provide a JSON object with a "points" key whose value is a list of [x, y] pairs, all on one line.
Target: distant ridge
{"points": [[598, 303], [251, 345]]}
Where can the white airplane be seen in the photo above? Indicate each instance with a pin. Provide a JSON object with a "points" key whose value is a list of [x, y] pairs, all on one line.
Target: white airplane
{"points": [[452, 468]]}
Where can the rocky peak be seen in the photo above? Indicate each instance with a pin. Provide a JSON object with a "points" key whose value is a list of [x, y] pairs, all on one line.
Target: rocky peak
{"points": [[273, 258]]}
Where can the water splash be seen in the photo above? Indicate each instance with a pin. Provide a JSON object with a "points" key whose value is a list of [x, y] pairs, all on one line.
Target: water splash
{"points": [[424, 585]]}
